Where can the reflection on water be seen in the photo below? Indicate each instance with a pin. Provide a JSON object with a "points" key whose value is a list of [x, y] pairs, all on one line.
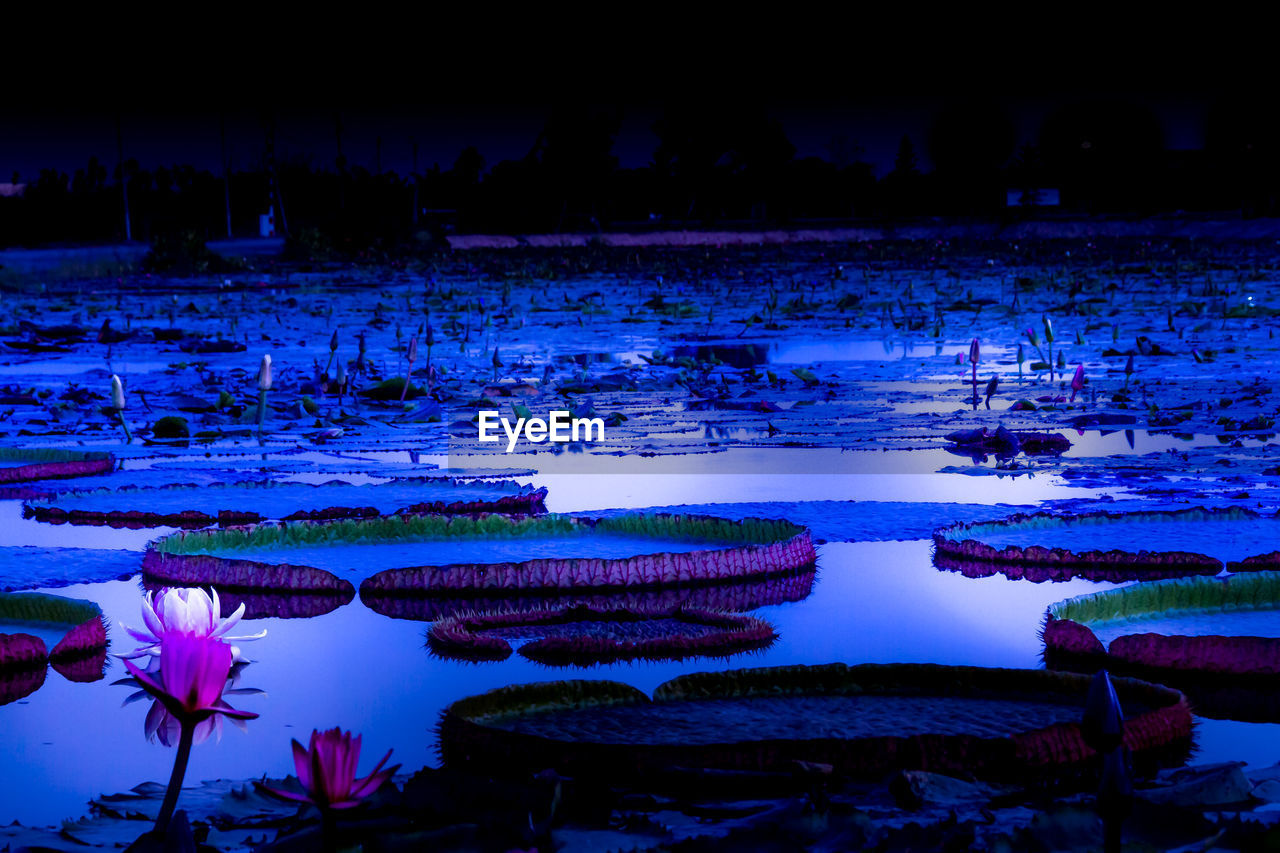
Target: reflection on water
{"points": [[816, 351], [356, 668], [775, 474], [872, 602]]}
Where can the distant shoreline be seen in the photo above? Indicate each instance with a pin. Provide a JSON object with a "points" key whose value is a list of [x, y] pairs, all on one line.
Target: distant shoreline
{"points": [[1160, 228], [111, 259]]}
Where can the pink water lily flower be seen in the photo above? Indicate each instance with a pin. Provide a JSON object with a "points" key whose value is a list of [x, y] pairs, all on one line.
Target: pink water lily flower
{"points": [[193, 673], [1077, 382], [327, 771], [185, 610], [164, 727]]}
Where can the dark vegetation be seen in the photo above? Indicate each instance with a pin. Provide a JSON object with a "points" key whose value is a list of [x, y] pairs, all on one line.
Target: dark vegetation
{"points": [[714, 166]]}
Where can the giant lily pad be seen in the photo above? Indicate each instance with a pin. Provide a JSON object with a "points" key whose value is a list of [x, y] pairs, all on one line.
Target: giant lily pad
{"points": [[492, 554], [190, 506], [1212, 636], [736, 596], [311, 597], [865, 720], [585, 635], [21, 465], [33, 623], [31, 567], [281, 590], [1147, 545]]}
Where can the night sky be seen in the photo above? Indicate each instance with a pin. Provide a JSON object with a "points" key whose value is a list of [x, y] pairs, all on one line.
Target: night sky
{"points": [[450, 82]]}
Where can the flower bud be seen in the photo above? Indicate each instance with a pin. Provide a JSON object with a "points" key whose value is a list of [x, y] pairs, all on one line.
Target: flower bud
{"points": [[413, 349], [1048, 329], [333, 342], [973, 351], [117, 393], [264, 374]]}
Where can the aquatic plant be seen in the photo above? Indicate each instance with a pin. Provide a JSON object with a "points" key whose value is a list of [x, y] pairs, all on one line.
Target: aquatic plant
{"points": [[327, 772], [1070, 643], [171, 426], [469, 636], [117, 403], [1103, 723], [960, 546], [333, 351], [77, 653], [189, 683], [22, 651], [735, 596], [51, 463], [264, 385], [413, 356], [185, 610], [241, 503], [973, 362], [599, 728], [757, 547]]}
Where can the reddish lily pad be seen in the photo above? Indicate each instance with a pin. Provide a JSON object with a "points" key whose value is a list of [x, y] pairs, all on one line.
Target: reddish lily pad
{"points": [[192, 507], [619, 552], [585, 635], [1217, 638], [282, 591], [270, 603], [21, 465], [982, 549], [737, 596], [79, 653]]}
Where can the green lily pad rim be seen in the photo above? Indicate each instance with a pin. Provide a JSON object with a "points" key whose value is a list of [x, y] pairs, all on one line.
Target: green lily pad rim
{"points": [[1249, 591], [392, 528]]}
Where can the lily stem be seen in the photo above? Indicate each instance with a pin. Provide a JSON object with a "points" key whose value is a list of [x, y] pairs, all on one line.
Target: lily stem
{"points": [[175, 779], [328, 830], [124, 425], [262, 409], [408, 377]]}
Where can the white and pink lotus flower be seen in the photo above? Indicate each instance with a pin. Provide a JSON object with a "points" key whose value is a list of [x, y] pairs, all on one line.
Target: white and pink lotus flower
{"points": [[185, 610]]}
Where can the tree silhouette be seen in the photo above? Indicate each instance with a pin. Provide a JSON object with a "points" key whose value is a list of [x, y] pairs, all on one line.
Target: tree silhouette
{"points": [[903, 185], [969, 143]]}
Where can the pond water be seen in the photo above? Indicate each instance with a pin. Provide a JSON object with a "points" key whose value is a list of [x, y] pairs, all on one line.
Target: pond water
{"points": [[873, 602], [839, 402], [1223, 539]]}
